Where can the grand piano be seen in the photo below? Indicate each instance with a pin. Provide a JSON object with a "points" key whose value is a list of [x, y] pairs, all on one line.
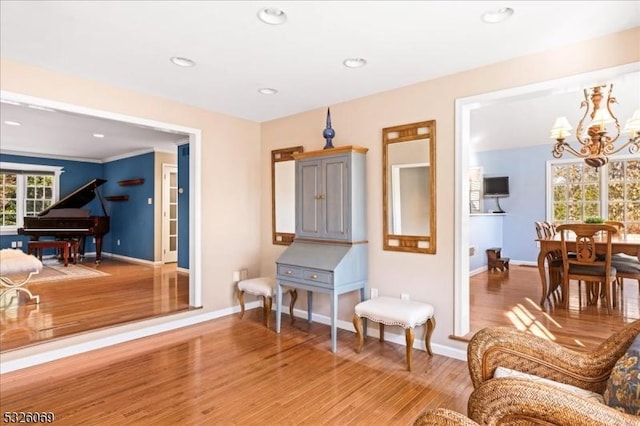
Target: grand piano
{"points": [[67, 219]]}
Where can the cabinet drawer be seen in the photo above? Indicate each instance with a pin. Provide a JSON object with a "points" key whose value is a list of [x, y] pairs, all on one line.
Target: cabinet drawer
{"points": [[317, 276], [289, 271]]}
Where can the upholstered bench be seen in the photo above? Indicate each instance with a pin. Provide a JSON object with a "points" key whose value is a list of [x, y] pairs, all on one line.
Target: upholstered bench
{"points": [[264, 287], [391, 311], [15, 263], [68, 248]]}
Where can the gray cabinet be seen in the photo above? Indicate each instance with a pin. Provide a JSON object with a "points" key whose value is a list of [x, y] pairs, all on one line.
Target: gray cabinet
{"points": [[329, 253], [330, 196]]}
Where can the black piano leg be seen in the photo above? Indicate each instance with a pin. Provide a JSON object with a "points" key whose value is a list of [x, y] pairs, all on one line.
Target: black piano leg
{"points": [[98, 249]]}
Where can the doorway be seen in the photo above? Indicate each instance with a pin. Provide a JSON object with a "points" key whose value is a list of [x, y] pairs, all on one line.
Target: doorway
{"points": [[169, 213]]}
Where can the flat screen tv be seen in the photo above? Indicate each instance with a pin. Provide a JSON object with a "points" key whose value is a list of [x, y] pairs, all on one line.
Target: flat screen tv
{"points": [[495, 187]]}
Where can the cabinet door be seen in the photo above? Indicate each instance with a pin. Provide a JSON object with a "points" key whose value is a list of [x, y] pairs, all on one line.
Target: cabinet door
{"points": [[308, 200], [335, 200]]}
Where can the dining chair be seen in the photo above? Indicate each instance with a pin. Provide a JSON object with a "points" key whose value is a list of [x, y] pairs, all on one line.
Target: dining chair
{"points": [[626, 266], [586, 265], [554, 260]]}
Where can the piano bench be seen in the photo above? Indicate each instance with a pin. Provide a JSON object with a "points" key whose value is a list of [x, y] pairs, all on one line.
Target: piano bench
{"points": [[68, 248]]}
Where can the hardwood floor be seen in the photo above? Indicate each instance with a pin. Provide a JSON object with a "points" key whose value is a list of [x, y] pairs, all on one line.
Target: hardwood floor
{"points": [[511, 299], [232, 371], [131, 292]]}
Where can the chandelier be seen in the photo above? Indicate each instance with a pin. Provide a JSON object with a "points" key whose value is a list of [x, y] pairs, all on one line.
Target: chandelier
{"points": [[596, 143]]}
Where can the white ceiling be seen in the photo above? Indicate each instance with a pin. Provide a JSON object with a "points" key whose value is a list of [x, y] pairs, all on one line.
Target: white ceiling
{"points": [[129, 43]]}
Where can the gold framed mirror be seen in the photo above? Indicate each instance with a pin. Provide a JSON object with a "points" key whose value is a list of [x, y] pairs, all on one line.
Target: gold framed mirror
{"points": [[283, 220], [409, 187]]}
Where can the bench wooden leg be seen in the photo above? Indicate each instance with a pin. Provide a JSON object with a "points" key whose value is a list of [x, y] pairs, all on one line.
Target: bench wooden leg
{"points": [[409, 336], [431, 324], [267, 310], [240, 295], [294, 296], [357, 323], [381, 328]]}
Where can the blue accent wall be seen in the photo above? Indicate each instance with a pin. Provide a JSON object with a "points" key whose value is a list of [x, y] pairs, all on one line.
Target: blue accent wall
{"points": [[132, 220], [183, 206], [75, 174], [526, 168]]}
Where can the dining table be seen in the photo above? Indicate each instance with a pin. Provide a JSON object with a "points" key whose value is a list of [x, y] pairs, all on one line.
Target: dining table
{"points": [[622, 243]]}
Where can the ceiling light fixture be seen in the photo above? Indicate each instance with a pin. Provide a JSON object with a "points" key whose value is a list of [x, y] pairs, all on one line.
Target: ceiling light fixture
{"points": [[272, 16], [497, 16], [596, 144], [354, 62], [12, 123], [267, 91], [182, 62], [98, 135]]}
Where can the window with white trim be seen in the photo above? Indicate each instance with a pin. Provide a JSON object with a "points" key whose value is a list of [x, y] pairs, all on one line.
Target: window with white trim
{"points": [[579, 191], [25, 190]]}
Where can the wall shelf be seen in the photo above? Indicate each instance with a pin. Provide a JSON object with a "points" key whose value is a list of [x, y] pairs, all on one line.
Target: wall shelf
{"points": [[117, 198], [131, 182]]}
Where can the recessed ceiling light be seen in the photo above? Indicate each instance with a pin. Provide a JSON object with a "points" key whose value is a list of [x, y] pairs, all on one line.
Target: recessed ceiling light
{"points": [[12, 123], [267, 91], [5, 101], [272, 16], [182, 62], [354, 62], [98, 135], [497, 16]]}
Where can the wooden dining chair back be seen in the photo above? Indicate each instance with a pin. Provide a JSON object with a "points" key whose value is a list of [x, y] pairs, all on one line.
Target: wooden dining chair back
{"points": [[585, 263], [545, 229], [626, 266], [618, 225]]}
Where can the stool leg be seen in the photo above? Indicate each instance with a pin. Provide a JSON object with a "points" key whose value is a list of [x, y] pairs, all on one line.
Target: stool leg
{"points": [[240, 295], [357, 323], [267, 310], [381, 328], [409, 336], [294, 296], [431, 324]]}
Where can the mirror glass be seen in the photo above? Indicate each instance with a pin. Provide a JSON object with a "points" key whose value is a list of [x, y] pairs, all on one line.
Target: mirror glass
{"points": [[283, 194], [409, 221]]}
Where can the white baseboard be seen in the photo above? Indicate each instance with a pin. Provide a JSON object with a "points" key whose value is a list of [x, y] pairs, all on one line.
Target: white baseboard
{"points": [[132, 259]]}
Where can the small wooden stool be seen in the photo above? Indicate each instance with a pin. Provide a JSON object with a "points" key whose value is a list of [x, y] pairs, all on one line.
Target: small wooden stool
{"points": [[391, 311], [264, 287], [495, 260]]}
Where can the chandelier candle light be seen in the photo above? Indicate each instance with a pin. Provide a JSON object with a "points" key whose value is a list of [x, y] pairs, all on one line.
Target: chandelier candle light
{"points": [[597, 145]]}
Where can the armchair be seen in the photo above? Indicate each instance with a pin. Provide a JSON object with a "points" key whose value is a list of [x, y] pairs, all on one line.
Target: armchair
{"points": [[514, 399]]}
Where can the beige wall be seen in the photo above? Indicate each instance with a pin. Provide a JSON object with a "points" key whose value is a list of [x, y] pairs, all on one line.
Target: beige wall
{"points": [[236, 219], [360, 122]]}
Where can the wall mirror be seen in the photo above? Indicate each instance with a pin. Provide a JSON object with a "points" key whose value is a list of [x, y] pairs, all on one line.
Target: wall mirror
{"points": [[283, 200], [409, 187]]}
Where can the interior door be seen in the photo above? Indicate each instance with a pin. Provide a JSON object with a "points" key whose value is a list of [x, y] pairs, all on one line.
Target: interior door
{"points": [[169, 213]]}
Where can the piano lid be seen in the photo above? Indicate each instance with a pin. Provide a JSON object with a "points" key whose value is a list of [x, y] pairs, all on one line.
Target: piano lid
{"points": [[78, 198]]}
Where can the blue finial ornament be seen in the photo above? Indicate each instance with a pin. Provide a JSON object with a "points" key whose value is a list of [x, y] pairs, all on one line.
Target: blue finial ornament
{"points": [[328, 133]]}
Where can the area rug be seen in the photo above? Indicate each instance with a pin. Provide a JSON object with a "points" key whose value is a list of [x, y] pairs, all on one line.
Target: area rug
{"points": [[59, 272]]}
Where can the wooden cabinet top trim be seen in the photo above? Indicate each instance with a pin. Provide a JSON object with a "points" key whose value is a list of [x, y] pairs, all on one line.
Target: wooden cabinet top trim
{"points": [[331, 151]]}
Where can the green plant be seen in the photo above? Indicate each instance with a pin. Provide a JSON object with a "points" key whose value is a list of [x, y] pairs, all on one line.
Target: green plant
{"points": [[594, 219]]}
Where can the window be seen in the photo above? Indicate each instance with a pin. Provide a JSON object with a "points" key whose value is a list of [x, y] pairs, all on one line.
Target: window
{"points": [[25, 190], [475, 189], [579, 191]]}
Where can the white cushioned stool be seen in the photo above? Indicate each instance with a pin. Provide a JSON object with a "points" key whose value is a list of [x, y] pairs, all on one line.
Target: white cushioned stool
{"points": [[391, 311], [266, 288]]}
